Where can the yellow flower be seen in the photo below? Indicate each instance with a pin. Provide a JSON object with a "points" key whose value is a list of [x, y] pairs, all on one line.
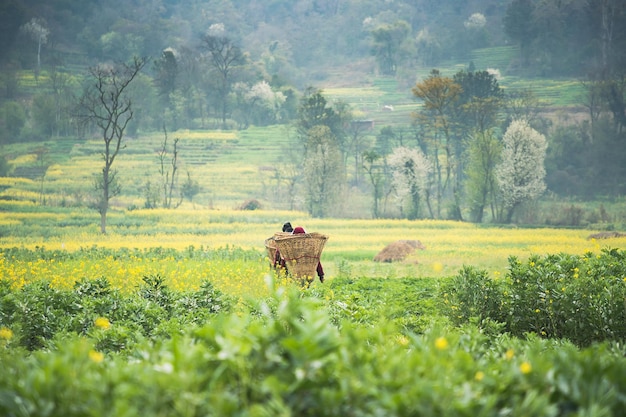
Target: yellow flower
{"points": [[437, 267], [479, 376], [102, 323], [525, 368], [6, 333], [509, 354], [441, 343], [96, 356]]}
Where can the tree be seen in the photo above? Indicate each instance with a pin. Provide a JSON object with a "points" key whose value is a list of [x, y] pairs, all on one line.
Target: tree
{"points": [[521, 171], [44, 114], [518, 26], [37, 30], [524, 105], [43, 161], [314, 111], [224, 58], [481, 186], [166, 72], [190, 188], [169, 177], [376, 173], [480, 99], [386, 45], [259, 104], [62, 88], [12, 120], [439, 95], [323, 171], [357, 134], [410, 177], [105, 102]]}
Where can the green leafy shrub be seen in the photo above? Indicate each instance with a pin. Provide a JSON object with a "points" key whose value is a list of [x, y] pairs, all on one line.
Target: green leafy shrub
{"points": [[472, 295], [38, 313], [579, 298], [198, 306], [289, 359]]}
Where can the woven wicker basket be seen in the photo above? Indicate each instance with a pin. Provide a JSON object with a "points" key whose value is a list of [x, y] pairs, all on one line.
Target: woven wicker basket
{"points": [[270, 246], [301, 252]]}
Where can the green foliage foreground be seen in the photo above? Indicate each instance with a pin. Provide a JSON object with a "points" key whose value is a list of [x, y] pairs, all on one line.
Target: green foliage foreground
{"points": [[579, 298], [354, 347]]}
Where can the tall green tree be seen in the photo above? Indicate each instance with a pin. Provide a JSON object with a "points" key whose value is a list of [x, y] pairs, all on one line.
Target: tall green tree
{"points": [[166, 72], [518, 25], [12, 120], [315, 111], [324, 173], [481, 189], [374, 166], [479, 101], [387, 42]]}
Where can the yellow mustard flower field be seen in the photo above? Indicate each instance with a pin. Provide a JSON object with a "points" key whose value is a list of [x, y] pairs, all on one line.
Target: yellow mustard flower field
{"points": [[213, 235]]}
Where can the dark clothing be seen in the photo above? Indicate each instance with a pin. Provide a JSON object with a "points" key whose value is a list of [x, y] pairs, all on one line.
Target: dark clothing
{"points": [[287, 227], [279, 261]]}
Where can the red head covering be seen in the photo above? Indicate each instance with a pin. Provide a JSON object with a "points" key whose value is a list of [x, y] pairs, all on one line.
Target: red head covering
{"points": [[298, 230]]}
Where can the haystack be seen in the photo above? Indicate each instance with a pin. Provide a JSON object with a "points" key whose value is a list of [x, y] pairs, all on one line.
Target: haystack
{"points": [[302, 253], [606, 235], [398, 250]]}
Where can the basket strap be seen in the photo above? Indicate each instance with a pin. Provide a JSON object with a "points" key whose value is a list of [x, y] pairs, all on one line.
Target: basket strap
{"points": [[302, 257]]}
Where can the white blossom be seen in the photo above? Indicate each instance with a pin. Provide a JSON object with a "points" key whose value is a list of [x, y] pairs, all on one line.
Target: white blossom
{"points": [[521, 172], [410, 169], [263, 94], [494, 72], [475, 21], [216, 29]]}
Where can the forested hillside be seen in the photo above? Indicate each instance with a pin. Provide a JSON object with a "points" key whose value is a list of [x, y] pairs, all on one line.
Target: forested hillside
{"points": [[451, 79], [305, 38]]}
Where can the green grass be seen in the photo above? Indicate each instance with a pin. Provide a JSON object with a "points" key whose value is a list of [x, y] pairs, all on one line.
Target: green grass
{"points": [[497, 57]]}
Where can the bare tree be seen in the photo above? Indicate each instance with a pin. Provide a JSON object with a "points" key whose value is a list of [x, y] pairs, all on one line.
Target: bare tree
{"points": [[169, 178], [43, 161], [224, 58], [106, 104]]}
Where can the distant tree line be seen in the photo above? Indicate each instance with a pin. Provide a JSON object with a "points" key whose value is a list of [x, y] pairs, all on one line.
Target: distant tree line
{"points": [[472, 152]]}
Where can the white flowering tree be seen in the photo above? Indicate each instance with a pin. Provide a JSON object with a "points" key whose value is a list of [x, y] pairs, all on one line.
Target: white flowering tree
{"points": [[410, 178], [521, 172]]}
